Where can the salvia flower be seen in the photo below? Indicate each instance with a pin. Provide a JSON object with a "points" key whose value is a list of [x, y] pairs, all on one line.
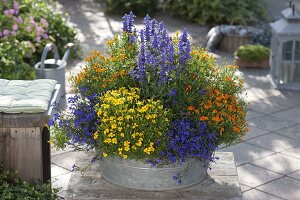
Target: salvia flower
{"points": [[184, 47], [128, 22]]}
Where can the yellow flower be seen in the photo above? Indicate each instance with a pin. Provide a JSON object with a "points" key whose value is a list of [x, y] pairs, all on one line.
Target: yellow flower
{"points": [[51, 141], [114, 140], [96, 135], [122, 134], [111, 135], [131, 110], [125, 156], [105, 154], [107, 140], [113, 126], [143, 109]]}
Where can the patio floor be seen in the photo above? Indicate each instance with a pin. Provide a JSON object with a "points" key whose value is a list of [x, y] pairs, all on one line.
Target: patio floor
{"points": [[268, 160]]}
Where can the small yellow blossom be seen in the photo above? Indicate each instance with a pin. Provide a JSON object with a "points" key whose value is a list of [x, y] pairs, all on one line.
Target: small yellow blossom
{"points": [[105, 154]]}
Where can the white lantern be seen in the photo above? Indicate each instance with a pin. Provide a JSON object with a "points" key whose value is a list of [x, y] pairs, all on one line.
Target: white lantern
{"points": [[285, 50]]}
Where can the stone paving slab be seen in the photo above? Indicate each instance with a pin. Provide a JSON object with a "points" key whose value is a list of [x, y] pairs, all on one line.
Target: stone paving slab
{"points": [[244, 152], [279, 163], [254, 132], [291, 114], [274, 142], [267, 106], [286, 187], [254, 176], [270, 123], [295, 175], [258, 195], [221, 183], [292, 131]]}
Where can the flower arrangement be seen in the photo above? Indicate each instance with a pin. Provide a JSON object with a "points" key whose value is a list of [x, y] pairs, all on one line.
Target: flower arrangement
{"points": [[154, 98]]}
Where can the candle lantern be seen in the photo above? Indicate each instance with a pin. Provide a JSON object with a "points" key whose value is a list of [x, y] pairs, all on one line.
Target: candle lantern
{"points": [[285, 50]]}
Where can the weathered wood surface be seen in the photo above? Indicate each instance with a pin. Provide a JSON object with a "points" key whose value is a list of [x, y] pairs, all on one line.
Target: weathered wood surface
{"points": [[222, 184], [21, 149], [23, 120]]}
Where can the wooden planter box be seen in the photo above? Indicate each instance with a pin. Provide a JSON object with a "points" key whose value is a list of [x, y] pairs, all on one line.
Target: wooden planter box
{"points": [[252, 64], [231, 42]]}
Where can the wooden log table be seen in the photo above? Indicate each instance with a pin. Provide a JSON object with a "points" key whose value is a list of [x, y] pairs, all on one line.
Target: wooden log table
{"points": [[221, 184], [24, 136]]}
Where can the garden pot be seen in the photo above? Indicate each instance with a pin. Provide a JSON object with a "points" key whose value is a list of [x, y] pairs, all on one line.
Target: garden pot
{"points": [[256, 64], [138, 175]]}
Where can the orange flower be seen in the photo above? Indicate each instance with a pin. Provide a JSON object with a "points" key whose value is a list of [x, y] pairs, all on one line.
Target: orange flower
{"points": [[207, 106], [216, 91], [218, 104], [236, 129], [197, 111], [203, 118], [191, 108], [219, 98], [228, 79], [100, 70], [187, 88], [216, 119]]}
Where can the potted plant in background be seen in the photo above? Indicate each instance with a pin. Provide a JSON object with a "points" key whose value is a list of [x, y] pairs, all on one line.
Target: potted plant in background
{"points": [[252, 56], [154, 108]]}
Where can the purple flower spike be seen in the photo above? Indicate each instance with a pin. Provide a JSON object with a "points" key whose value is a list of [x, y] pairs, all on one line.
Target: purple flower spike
{"points": [[128, 22], [184, 47], [148, 27]]}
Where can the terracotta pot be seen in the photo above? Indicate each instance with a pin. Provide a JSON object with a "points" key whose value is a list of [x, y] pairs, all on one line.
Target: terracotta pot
{"points": [[256, 64]]}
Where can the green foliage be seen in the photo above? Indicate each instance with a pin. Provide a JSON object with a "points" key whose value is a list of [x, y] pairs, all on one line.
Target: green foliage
{"points": [[12, 188], [252, 52], [26, 27], [139, 7], [218, 11]]}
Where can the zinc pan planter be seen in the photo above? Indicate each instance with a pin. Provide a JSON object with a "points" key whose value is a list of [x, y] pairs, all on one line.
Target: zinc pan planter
{"points": [[138, 175]]}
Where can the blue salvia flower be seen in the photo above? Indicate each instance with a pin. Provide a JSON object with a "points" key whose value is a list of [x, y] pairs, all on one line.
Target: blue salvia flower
{"points": [[184, 47], [148, 26], [128, 22], [140, 72]]}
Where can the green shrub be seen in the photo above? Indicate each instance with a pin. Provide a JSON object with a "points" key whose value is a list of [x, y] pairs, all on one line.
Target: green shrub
{"points": [[25, 28], [138, 7], [12, 188], [218, 11], [252, 52]]}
